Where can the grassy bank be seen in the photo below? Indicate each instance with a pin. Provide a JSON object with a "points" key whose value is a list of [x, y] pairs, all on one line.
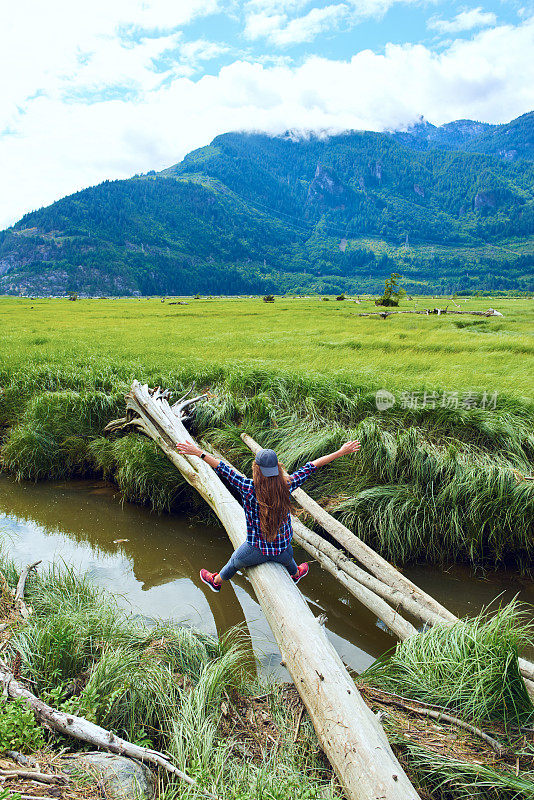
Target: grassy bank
{"points": [[197, 698], [439, 477]]}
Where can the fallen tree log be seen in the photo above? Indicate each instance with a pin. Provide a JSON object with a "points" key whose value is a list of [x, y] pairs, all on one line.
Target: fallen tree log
{"points": [[378, 566], [305, 537], [85, 731], [348, 731], [429, 610], [348, 574], [393, 620]]}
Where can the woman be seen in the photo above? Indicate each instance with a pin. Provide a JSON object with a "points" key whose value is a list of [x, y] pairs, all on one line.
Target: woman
{"points": [[266, 500]]}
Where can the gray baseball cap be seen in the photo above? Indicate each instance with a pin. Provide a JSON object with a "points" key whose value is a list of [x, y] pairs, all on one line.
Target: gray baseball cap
{"points": [[267, 461]]}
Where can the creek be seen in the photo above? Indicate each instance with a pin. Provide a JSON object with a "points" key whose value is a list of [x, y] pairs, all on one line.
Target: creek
{"points": [[151, 563]]}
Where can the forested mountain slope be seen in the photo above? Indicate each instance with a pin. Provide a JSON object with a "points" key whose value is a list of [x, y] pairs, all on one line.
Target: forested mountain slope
{"points": [[252, 213]]}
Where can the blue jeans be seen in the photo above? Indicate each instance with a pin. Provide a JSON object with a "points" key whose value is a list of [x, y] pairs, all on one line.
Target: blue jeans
{"points": [[249, 556]]}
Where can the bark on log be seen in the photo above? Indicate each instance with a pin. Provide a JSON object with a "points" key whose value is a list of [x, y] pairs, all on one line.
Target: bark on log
{"points": [[85, 731], [377, 565], [348, 731], [304, 536], [350, 576], [429, 610]]}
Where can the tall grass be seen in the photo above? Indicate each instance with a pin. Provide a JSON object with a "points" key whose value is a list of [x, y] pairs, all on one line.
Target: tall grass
{"points": [[159, 685], [415, 490], [470, 667], [434, 483]]}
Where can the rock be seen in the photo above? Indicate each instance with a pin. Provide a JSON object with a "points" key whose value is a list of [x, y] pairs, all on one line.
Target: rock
{"points": [[120, 778], [485, 199], [327, 189]]}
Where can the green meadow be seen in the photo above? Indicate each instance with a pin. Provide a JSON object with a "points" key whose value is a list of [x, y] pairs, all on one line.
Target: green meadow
{"points": [[442, 474], [307, 336]]}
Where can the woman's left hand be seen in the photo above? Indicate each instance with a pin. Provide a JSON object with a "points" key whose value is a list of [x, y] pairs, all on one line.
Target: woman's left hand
{"points": [[188, 449], [349, 447]]}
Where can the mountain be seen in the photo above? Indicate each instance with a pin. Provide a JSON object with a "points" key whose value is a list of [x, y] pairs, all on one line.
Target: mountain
{"points": [[510, 141], [450, 207]]}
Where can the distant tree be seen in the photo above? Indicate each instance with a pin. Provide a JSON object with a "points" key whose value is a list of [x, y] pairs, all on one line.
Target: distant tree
{"points": [[392, 291]]}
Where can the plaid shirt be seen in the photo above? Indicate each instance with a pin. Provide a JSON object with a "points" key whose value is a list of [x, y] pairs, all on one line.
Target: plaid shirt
{"points": [[245, 487]]}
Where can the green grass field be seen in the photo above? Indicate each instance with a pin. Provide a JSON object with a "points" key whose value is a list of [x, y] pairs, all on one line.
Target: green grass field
{"points": [[310, 337], [441, 476]]}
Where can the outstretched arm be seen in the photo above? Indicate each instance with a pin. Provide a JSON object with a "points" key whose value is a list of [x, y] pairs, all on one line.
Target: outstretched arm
{"points": [[242, 484], [344, 450], [189, 449]]}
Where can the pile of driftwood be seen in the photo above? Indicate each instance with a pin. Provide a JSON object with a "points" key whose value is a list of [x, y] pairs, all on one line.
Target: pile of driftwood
{"points": [[349, 733], [427, 311], [379, 586]]}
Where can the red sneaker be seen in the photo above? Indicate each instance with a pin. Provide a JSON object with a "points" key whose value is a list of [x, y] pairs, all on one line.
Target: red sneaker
{"points": [[209, 579], [301, 572]]}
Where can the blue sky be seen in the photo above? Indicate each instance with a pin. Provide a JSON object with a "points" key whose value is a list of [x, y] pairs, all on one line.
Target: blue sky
{"points": [[114, 87]]}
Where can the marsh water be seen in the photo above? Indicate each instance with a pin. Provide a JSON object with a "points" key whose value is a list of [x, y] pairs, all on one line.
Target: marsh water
{"points": [[151, 564]]}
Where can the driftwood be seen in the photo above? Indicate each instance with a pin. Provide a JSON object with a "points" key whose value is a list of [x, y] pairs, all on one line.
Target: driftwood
{"points": [[304, 536], [85, 731], [347, 730], [429, 610], [31, 775], [21, 586], [427, 311], [442, 716], [371, 560], [396, 624]]}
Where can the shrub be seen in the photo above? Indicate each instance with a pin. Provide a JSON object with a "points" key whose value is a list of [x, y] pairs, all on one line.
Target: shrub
{"points": [[269, 298], [18, 728]]}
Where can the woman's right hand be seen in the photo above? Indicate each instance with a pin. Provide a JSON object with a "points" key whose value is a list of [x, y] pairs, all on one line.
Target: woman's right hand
{"points": [[349, 447], [188, 449]]}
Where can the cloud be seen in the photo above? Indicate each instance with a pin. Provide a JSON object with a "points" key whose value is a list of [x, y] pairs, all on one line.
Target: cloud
{"points": [[270, 19], [51, 47], [464, 21], [283, 32], [58, 147]]}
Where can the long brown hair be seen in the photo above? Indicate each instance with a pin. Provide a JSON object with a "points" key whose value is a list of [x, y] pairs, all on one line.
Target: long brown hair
{"points": [[273, 499]]}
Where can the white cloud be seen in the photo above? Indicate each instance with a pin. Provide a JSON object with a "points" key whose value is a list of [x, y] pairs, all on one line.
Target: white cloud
{"points": [[271, 19], [61, 147], [464, 21], [283, 32], [47, 47]]}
